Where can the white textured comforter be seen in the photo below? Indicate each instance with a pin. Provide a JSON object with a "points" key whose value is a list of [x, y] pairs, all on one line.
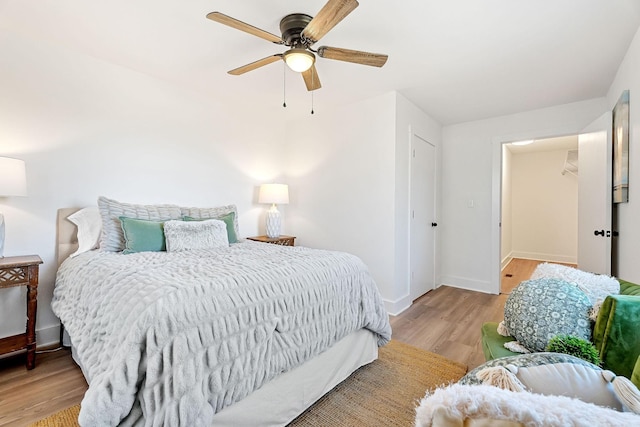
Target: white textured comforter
{"points": [[169, 339]]}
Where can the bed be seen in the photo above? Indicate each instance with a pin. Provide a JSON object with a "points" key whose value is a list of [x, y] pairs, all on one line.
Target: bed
{"points": [[246, 334]]}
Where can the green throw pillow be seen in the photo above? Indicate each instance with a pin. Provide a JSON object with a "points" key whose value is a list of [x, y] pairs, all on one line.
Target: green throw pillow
{"points": [[141, 235], [228, 219]]}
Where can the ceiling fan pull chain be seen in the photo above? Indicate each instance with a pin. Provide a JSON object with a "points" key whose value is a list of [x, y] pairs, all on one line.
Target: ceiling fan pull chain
{"points": [[284, 85], [313, 75]]}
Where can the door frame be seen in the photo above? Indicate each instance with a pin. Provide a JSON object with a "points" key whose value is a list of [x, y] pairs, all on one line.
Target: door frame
{"points": [[496, 191]]}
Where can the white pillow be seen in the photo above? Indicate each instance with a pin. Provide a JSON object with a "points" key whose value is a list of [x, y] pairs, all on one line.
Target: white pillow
{"points": [[190, 235], [568, 379], [89, 225]]}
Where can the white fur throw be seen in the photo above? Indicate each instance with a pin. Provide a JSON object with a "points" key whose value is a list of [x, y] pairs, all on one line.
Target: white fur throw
{"points": [[596, 286], [455, 404], [192, 235]]}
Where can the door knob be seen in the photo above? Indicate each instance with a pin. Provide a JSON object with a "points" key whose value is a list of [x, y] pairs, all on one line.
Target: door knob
{"points": [[434, 224], [598, 233]]}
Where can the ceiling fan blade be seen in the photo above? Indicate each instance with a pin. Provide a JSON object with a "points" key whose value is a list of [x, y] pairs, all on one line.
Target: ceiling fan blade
{"points": [[311, 78], [239, 25], [256, 64], [328, 17], [355, 56]]}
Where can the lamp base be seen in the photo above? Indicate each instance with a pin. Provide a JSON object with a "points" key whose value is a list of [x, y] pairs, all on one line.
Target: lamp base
{"points": [[273, 222]]}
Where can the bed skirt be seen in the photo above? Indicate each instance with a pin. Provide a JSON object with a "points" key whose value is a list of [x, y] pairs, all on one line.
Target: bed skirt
{"points": [[285, 397]]}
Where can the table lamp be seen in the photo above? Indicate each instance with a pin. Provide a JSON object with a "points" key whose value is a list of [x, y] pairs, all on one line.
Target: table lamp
{"points": [[273, 194], [13, 182]]}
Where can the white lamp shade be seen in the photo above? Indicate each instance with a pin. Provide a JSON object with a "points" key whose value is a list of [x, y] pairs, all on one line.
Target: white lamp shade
{"points": [[274, 193], [13, 177]]}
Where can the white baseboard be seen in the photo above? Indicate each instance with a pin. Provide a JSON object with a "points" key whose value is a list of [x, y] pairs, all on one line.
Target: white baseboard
{"points": [[48, 336], [505, 261], [468, 284], [566, 259], [396, 307]]}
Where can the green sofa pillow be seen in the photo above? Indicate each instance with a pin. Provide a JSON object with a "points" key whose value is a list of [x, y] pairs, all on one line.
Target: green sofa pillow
{"points": [[628, 288], [616, 333]]}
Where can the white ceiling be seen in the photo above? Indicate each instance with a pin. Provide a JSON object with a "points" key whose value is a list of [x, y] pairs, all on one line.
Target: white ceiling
{"points": [[458, 60]]}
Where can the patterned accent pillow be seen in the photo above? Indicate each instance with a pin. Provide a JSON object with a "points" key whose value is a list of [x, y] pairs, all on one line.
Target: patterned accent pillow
{"points": [[112, 237], [538, 310], [193, 235]]}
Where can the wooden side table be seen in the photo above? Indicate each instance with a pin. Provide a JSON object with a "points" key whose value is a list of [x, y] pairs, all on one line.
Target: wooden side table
{"points": [[280, 240], [22, 271]]}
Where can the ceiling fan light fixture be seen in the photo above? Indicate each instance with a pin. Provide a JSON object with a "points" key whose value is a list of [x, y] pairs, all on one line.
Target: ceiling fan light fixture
{"points": [[299, 60]]}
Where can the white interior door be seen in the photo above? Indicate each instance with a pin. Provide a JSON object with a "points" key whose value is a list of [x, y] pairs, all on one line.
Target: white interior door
{"points": [[422, 240], [594, 196]]}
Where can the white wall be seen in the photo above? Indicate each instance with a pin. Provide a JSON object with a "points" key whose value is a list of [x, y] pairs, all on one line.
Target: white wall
{"points": [[340, 169], [506, 227], [544, 207], [87, 128], [348, 172], [471, 157], [628, 77]]}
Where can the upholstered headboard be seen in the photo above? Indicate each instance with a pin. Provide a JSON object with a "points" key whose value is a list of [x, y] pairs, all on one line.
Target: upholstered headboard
{"points": [[67, 234]]}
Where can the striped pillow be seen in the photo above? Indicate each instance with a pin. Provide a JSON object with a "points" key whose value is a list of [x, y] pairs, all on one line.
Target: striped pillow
{"points": [[112, 237]]}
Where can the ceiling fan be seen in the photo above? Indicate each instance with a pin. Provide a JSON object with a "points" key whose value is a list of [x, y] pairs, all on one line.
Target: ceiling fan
{"points": [[300, 32]]}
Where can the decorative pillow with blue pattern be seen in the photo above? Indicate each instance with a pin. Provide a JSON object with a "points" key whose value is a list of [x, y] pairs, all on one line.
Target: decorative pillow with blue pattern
{"points": [[538, 310]]}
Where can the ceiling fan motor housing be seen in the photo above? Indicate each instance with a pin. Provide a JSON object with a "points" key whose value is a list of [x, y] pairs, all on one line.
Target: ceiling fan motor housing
{"points": [[291, 26]]}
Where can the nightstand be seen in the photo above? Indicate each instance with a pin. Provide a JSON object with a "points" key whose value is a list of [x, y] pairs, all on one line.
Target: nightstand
{"points": [[22, 271], [281, 240]]}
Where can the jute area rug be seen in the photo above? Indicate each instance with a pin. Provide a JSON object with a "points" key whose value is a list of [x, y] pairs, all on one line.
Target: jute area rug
{"points": [[384, 393]]}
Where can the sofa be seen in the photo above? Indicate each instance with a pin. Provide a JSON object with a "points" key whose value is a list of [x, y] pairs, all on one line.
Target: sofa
{"points": [[616, 334]]}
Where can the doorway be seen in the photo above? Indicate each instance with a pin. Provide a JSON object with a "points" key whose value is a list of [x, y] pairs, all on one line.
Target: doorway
{"points": [[594, 207], [539, 204]]}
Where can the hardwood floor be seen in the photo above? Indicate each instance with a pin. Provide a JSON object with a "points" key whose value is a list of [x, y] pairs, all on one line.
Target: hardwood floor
{"points": [[27, 396], [445, 321], [519, 270]]}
